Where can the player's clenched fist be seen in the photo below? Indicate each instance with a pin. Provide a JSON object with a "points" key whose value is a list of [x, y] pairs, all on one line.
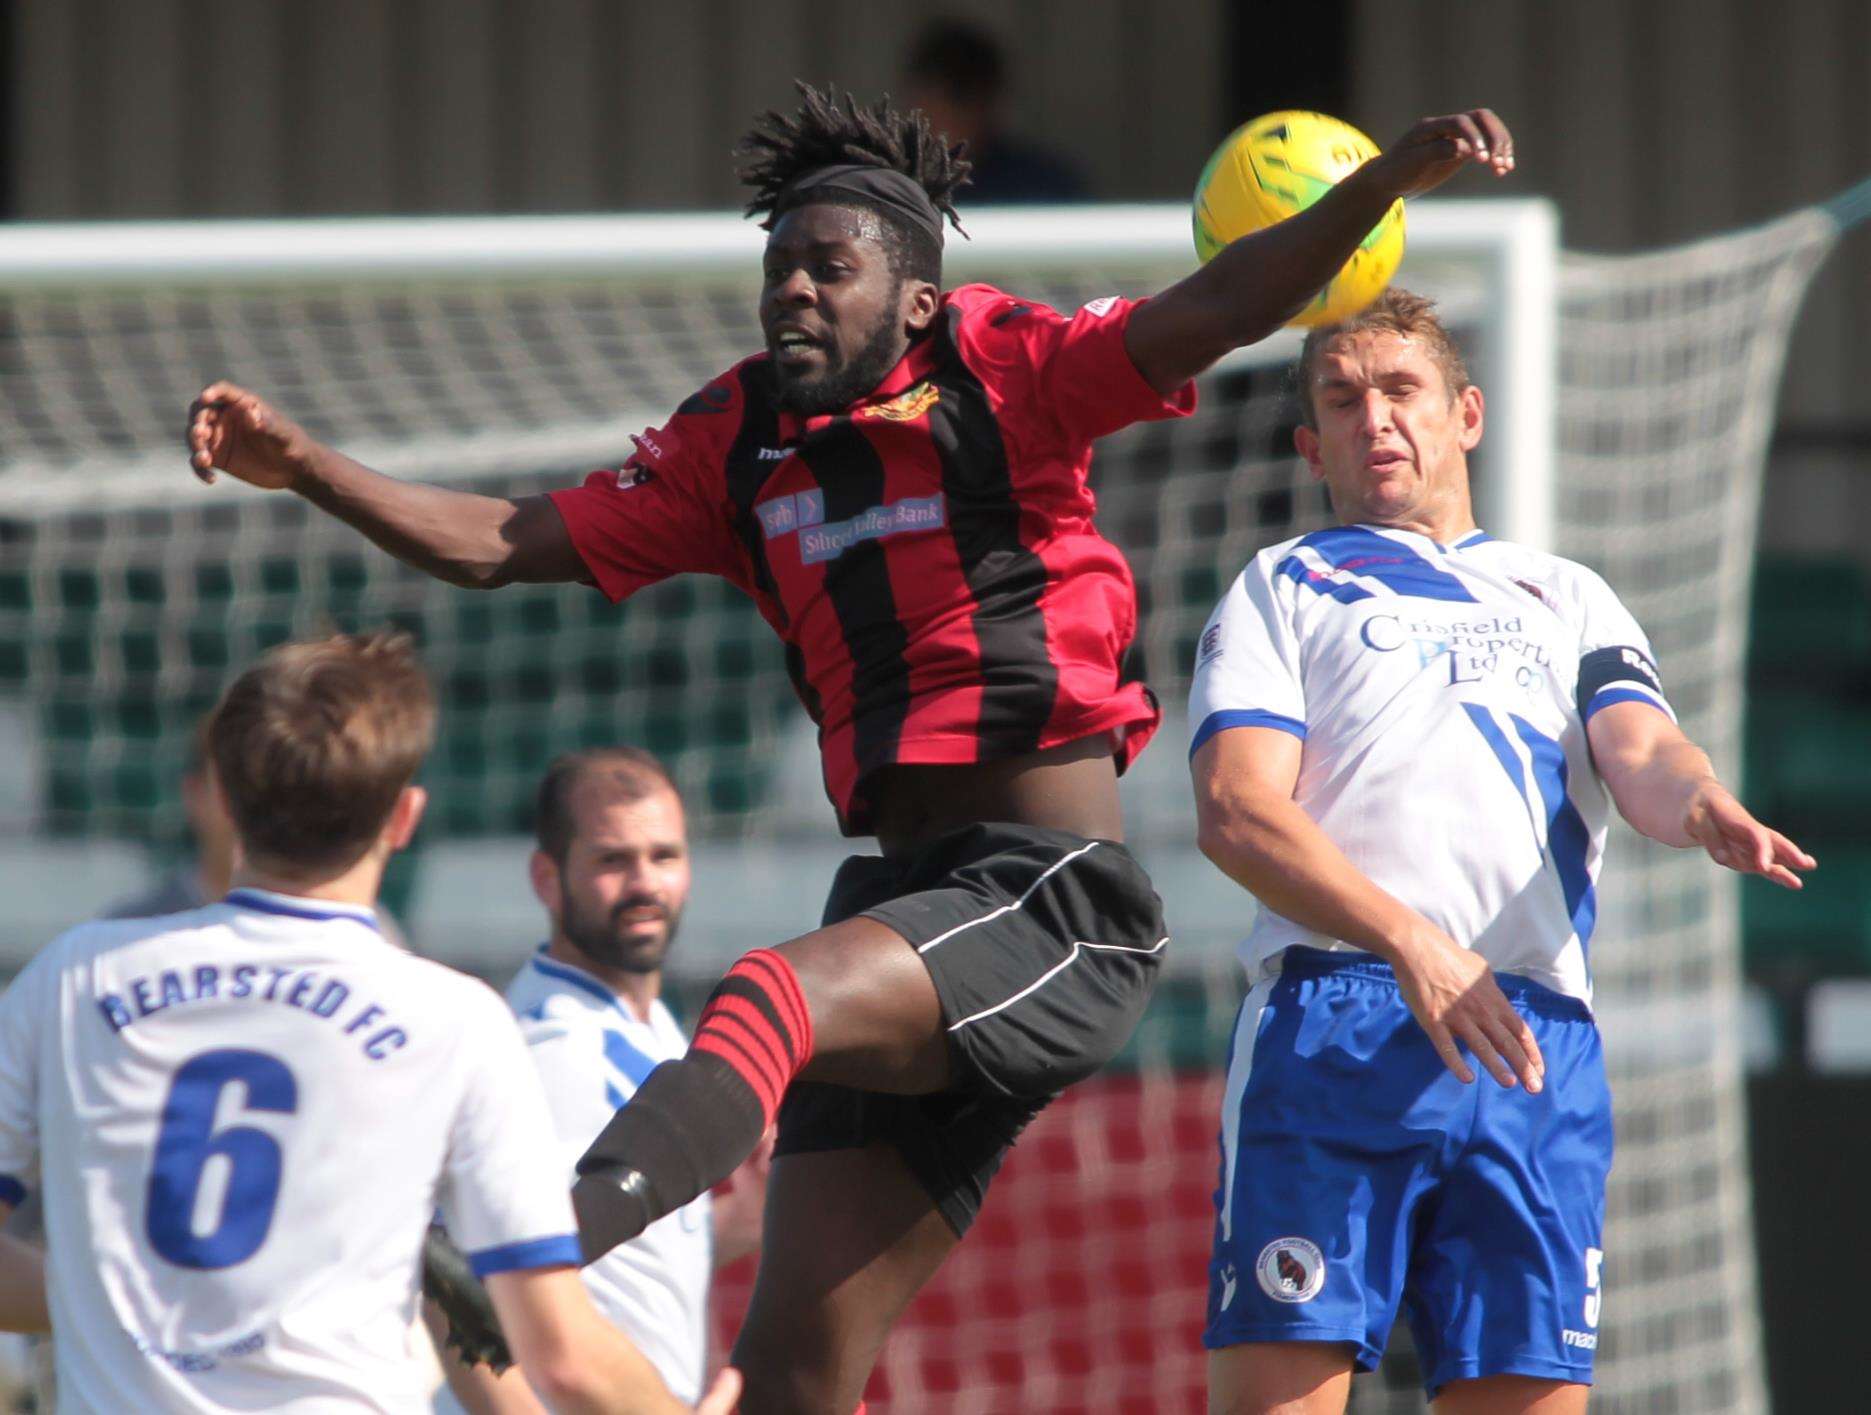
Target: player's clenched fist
{"points": [[233, 430]]}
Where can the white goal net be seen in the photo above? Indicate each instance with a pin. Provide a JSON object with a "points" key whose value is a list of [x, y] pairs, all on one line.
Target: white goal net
{"points": [[1628, 404]]}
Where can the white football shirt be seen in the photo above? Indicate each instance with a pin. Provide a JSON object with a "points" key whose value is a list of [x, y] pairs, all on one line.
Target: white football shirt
{"points": [[593, 1052], [244, 1118], [1441, 693]]}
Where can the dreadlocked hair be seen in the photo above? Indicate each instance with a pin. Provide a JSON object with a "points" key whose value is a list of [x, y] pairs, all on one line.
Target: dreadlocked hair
{"points": [[830, 127]]}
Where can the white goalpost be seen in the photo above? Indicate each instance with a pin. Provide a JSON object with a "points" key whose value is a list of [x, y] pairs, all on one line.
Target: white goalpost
{"points": [[1628, 404]]}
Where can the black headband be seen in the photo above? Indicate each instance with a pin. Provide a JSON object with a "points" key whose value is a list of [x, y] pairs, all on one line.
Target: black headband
{"points": [[900, 195]]}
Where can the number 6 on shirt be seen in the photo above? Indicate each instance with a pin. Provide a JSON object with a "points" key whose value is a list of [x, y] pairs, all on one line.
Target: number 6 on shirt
{"points": [[188, 1140]]}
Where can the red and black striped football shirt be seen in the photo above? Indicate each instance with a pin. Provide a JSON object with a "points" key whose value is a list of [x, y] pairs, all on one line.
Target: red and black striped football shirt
{"points": [[928, 554]]}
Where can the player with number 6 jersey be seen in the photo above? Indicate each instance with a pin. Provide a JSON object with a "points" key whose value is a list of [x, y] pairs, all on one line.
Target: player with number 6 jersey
{"points": [[242, 1109], [243, 1117]]}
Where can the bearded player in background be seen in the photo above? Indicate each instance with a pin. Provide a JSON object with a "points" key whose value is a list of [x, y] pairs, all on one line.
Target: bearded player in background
{"points": [[612, 871], [899, 481]]}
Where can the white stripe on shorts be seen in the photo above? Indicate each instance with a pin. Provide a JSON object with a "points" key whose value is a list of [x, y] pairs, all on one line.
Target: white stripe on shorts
{"points": [[1045, 875], [1053, 971], [1246, 1031]]}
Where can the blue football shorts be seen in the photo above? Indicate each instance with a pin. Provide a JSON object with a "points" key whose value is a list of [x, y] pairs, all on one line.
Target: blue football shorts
{"points": [[1358, 1176]]}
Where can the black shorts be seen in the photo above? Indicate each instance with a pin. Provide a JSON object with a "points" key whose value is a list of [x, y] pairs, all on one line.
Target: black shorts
{"points": [[1043, 947]]}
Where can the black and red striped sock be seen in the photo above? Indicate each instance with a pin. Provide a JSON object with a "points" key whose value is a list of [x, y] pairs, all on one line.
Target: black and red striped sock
{"points": [[756, 1021], [692, 1121]]}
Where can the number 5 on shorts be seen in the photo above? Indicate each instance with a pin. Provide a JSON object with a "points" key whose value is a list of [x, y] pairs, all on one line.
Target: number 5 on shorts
{"points": [[188, 1140]]}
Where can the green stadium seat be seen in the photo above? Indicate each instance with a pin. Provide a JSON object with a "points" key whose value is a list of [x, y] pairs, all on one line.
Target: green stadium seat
{"points": [[676, 599], [73, 652], [602, 673], [78, 591], [532, 749], [461, 754], [736, 658], [729, 725], [70, 720], [534, 683], [139, 719], [279, 576], [213, 581], [1811, 621], [1823, 928], [1808, 766], [467, 690], [1202, 585], [208, 648], [730, 791], [143, 584], [665, 666], [69, 801], [347, 575], [666, 733], [539, 614], [474, 619], [263, 635], [137, 785], [141, 650]]}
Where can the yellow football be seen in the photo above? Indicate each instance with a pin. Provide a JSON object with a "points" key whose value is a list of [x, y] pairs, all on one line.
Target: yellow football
{"points": [[1279, 164]]}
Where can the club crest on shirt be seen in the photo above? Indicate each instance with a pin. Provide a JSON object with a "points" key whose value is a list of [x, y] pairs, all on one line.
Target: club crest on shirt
{"points": [[906, 406], [1290, 1269]]}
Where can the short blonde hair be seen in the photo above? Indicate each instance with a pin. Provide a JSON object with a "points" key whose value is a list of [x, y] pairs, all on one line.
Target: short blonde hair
{"points": [[1396, 311], [315, 742]]}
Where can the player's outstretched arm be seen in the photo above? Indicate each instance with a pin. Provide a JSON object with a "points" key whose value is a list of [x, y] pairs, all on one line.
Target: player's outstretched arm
{"points": [[578, 1362], [1249, 825], [478, 542], [1666, 788], [1262, 280]]}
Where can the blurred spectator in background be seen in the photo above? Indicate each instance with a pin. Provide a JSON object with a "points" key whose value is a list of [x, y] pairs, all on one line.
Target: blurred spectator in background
{"points": [[204, 878], [957, 74]]}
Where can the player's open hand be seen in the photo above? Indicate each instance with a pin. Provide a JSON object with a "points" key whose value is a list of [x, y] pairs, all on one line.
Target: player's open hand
{"points": [[1437, 148], [235, 431], [1722, 826], [1455, 998]]}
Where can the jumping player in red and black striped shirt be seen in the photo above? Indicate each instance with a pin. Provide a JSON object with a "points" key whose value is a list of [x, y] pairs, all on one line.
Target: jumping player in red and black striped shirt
{"points": [[900, 483]]}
